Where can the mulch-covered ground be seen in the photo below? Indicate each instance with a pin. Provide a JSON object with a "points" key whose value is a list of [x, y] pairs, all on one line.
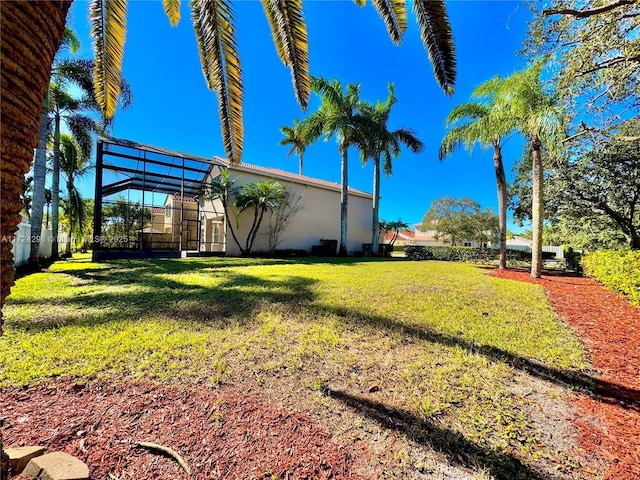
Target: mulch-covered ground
{"points": [[609, 411], [219, 433]]}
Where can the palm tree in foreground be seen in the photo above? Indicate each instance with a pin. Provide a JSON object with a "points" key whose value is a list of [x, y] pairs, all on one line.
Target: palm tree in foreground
{"points": [[295, 136], [338, 115], [33, 31], [535, 114], [482, 123], [378, 142]]}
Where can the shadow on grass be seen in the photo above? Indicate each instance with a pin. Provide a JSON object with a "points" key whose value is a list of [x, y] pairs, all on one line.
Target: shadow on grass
{"points": [[238, 296], [235, 299], [600, 390], [455, 446]]}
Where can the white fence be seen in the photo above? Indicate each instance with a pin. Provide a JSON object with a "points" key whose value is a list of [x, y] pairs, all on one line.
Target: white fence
{"points": [[558, 251], [22, 244]]}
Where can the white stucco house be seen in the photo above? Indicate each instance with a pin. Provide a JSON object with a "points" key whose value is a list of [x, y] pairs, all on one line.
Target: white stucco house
{"points": [[319, 217]]}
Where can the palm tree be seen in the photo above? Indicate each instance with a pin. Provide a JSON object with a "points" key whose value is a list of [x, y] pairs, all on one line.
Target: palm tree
{"points": [[81, 115], [262, 197], [33, 31], [295, 136], [535, 114], [376, 142], [69, 41], [47, 201], [74, 163], [221, 188], [482, 123], [338, 115], [396, 227]]}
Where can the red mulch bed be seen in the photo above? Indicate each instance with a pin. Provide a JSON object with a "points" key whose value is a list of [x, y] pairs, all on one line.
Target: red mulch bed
{"points": [[609, 418], [220, 433]]}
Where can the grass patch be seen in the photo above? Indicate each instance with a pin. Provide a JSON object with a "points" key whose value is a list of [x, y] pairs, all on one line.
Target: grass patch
{"points": [[439, 341]]}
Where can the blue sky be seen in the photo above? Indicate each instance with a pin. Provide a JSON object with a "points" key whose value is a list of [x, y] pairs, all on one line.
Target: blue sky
{"points": [[172, 107]]}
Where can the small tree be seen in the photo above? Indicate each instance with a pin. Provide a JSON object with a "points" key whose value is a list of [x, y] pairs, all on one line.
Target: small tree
{"points": [[221, 188], [395, 227], [262, 197], [461, 219], [280, 219]]}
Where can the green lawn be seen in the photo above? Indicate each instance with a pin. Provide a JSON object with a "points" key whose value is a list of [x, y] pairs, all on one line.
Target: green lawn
{"points": [[442, 342]]}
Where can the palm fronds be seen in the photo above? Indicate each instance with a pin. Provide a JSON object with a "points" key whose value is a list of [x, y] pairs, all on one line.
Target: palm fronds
{"points": [[394, 15], [289, 32], [172, 9], [215, 34], [437, 37], [82, 128], [469, 110], [108, 28], [70, 40]]}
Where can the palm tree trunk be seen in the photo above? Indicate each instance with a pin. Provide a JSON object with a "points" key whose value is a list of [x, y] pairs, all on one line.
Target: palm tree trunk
{"points": [[67, 251], [300, 156], [537, 208], [31, 35], [375, 226], [55, 188], [39, 177], [344, 200], [501, 181]]}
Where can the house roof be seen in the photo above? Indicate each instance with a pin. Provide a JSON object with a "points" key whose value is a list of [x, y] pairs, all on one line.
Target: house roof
{"points": [[158, 210], [178, 198], [289, 176], [416, 236], [402, 235], [157, 169]]}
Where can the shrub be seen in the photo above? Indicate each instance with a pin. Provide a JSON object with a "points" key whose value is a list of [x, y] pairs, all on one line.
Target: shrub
{"points": [[462, 254], [572, 259], [327, 248], [384, 250], [618, 270], [413, 252]]}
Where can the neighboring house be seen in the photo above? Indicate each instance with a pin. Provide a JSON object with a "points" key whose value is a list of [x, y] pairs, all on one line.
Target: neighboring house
{"points": [[428, 238], [168, 185], [318, 219], [166, 223], [415, 237]]}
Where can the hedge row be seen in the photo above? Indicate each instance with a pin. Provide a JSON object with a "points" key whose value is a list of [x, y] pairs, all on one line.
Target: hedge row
{"points": [[463, 254], [616, 269]]}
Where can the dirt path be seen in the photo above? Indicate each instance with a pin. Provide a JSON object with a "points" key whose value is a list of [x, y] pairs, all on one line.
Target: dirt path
{"points": [[609, 407]]}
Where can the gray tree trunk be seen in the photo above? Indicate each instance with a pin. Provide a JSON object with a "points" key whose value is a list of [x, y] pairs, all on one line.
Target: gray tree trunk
{"points": [[537, 208], [55, 188], [375, 227], [344, 201], [300, 156], [39, 180], [501, 181]]}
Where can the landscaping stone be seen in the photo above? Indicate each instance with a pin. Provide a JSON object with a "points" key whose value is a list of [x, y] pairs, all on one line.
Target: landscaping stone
{"points": [[19, 457], [56, 466]]}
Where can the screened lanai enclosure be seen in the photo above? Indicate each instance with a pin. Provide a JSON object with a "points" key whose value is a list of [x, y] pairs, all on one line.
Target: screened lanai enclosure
{"points": [[149, 203]]}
